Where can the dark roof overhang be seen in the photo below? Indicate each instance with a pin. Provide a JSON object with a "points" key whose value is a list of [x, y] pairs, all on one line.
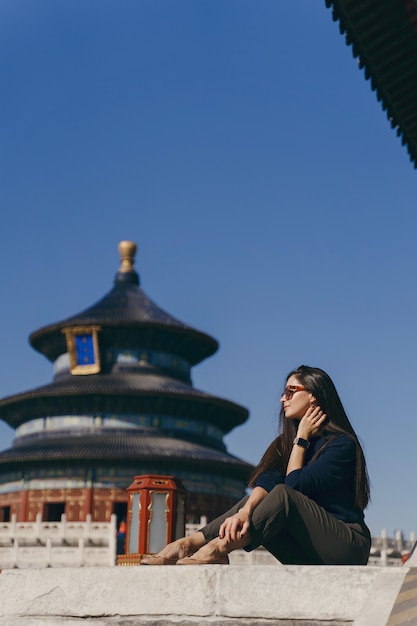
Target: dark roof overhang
{"points": [[120, 393], [126, 448], [383, 36], [128, 319]]}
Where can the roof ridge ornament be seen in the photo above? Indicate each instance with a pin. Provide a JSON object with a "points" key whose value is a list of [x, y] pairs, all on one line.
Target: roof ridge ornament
{"points": [[127, 250]]}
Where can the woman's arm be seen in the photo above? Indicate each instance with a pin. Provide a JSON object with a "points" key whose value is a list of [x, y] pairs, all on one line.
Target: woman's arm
{"points": [[309, 426], [333, 467], [237, 525]]}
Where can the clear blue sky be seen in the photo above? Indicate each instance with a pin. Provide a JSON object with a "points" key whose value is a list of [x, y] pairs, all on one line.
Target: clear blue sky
{"points": [[238, 143]]}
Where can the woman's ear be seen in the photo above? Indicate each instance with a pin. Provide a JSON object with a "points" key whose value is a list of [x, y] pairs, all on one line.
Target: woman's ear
{"points": [[313, 400]]}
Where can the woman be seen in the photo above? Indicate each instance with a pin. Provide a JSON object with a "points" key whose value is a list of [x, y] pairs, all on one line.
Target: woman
{"points": [[308, 494]]}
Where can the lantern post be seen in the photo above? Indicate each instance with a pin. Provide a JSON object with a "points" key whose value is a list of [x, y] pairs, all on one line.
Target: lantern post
{"points": [[155, 516]]}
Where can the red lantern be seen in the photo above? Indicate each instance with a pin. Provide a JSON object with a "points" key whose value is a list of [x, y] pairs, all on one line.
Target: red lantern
{"points": [[155, 517]]}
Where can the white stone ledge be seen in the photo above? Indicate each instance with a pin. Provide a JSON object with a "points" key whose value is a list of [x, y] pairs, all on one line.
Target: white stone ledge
{"points": [[211, 594]]}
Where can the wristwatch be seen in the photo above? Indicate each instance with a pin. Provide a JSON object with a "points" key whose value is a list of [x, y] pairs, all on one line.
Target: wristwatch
{"points": [[303, 443]]}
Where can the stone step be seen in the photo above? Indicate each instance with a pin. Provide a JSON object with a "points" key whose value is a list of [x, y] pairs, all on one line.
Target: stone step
{"points": [[197, 595]]}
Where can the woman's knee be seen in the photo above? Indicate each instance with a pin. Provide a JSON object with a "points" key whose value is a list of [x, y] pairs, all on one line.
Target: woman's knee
{"points": [[281, 491], [281, 487], [277, 501]]}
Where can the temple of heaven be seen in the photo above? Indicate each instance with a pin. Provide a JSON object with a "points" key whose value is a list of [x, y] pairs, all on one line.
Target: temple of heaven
{"points": [[121, 404]]}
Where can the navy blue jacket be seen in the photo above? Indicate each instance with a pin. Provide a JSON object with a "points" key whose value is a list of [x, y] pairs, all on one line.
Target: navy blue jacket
{"points": [[329, 480]]}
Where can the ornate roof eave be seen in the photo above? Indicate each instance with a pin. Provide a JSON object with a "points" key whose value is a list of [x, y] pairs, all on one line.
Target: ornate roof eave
{"points": [[383, 36], [187, 342], [110, 393], [125, 448], [127, 315]]}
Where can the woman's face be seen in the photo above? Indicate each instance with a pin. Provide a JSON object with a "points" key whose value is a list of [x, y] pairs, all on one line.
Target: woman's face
{"points": [[296, 402]]}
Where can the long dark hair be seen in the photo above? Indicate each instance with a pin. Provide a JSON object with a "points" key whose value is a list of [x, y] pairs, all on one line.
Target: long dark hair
{"points": [[321, 386]]}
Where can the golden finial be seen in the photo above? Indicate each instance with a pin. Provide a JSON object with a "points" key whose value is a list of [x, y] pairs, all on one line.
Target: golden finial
{"points": [[127, 251]]}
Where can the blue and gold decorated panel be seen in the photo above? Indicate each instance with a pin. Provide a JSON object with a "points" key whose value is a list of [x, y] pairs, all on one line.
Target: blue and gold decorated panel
{"points": [[83, 353], [83, 349]]}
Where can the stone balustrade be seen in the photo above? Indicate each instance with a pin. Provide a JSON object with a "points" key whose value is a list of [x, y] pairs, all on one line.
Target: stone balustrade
{"points": [[41, 544]]}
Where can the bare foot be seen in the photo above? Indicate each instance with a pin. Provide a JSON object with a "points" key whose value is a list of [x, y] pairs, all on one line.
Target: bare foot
{"points": [[176, 550], [213, 552], [216, 552]]}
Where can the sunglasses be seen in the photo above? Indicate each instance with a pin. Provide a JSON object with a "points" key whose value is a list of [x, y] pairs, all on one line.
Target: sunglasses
{"points": [[291, 390]]}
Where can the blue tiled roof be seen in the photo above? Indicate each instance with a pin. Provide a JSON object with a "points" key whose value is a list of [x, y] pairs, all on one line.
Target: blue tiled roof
{"points": [[126, 446], [139, 320], [120, 392]]}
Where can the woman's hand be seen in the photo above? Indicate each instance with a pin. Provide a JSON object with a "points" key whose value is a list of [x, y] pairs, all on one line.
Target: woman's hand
{"points": [[235, 526], [311, 423]]}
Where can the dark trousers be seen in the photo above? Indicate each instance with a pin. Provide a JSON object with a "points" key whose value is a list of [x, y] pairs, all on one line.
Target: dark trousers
{"points": [[298, 531]]}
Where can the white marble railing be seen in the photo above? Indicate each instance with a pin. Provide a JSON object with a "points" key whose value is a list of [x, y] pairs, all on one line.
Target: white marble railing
{"points": [[74, 544], [57, 544]]}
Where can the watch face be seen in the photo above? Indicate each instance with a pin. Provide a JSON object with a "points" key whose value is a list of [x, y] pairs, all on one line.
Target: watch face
{"points": [[303, 443]]}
